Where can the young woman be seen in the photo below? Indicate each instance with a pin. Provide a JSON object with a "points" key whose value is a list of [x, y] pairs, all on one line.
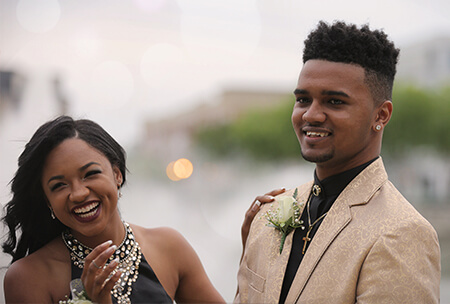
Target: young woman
{"points": [[64, 224]]}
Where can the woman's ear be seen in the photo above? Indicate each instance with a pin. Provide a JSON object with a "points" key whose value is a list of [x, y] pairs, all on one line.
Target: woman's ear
{"points": [[118, 176], [383, 116]]}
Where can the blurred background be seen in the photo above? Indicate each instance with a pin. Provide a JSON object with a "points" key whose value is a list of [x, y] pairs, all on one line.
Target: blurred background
{"points": [[199, 92]]}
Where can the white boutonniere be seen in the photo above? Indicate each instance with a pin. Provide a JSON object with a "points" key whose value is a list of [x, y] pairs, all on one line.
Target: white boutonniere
{"points": [[286, 217]]}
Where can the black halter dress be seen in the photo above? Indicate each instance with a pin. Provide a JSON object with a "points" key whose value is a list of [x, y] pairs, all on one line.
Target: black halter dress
{"points": [[146, 289]]}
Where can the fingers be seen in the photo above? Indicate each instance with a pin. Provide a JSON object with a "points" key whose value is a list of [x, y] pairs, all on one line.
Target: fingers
{"points": [[98, 257], [98, 278], [276, 192], [266, 198], [253, 210]]}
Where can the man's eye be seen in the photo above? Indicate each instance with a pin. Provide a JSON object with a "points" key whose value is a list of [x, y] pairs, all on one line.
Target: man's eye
{"points": [[336, 102], [302, 100]]}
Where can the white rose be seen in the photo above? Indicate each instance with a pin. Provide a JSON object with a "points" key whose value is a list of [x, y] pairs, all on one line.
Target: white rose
{"points": [[285, 209]]}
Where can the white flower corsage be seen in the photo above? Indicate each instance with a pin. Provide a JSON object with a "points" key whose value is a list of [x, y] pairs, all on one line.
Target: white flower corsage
{"points": [[79, 295], [286, 217]]}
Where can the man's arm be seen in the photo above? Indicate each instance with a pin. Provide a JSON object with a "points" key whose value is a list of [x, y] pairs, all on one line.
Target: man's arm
{"points": [[403, 266]]}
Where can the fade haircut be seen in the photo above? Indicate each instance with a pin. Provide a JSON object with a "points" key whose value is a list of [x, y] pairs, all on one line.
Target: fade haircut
{"points": [[370, 49]]}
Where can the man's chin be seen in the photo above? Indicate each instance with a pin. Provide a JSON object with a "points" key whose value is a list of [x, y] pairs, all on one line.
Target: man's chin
{"points": [[317, 158]]}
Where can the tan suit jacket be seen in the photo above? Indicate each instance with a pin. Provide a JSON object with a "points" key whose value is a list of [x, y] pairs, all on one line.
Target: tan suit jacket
{"points": [[372, 247]]}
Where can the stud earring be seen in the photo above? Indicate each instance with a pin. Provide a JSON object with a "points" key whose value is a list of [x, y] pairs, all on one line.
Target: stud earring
{"points": [[378, 127]]}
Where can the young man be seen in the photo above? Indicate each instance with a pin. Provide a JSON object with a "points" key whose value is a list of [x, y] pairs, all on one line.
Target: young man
{"points": [[362, 241]]}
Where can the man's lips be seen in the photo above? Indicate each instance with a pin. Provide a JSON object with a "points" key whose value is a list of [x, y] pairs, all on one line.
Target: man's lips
{"points": [[86, 210]]}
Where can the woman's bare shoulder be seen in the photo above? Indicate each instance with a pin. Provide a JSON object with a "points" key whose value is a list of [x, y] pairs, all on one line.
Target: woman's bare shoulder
{"points": [[31, 278], [161, 236]]}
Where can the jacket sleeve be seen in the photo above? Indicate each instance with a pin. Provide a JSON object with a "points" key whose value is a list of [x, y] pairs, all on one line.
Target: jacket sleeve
{"points": [[403, 266]]}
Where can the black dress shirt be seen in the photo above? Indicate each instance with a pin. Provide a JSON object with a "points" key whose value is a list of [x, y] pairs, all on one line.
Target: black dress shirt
{"points": [[330, 187]]}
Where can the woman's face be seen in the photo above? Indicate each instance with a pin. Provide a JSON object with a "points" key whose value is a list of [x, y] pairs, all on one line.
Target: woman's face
{"points": [[81, 186]]}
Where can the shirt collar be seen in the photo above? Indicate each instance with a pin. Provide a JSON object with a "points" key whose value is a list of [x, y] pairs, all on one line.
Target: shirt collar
{"points": [[333, 185]]}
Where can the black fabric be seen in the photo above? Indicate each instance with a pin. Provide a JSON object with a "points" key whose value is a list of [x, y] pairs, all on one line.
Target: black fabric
{"points": [[331, 188], [146, 289]]}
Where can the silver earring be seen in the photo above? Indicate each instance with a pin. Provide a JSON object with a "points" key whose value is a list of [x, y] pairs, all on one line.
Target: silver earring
{"points": [[52, 214], [120, 193], [378, 127]]}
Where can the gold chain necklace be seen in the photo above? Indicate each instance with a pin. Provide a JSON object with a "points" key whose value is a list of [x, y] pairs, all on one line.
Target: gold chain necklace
{"points": [[128, 252], [316, 191]]}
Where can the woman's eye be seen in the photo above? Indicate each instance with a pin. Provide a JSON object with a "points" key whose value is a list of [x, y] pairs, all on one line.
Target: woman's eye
{"points": [[92, 172], [56, 186]]}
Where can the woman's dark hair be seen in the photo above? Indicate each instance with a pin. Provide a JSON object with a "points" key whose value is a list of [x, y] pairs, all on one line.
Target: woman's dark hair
{"points": [[28, 212], [370, 49]]}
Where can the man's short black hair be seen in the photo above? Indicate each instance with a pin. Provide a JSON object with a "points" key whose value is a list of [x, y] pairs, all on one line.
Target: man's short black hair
{"points": [[370, 49]]}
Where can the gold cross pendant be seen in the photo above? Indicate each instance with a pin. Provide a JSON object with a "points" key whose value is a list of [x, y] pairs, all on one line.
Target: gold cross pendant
{"points": [[306, 239]]}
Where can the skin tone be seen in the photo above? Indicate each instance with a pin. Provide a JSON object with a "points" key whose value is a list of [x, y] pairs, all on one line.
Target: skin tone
{"points": [[335, 118], [81, 187]]}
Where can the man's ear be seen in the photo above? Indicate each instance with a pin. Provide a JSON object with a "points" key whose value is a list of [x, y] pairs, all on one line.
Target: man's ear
{"points": [[383, 116]]}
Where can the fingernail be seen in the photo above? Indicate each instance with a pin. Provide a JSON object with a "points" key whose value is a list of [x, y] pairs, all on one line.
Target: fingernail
{"points": [[112, 248], [107, 242], [271, 197]]}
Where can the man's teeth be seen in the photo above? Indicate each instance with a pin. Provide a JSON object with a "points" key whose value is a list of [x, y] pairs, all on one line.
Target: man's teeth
{"points": [[87, 210], [317, 134]]}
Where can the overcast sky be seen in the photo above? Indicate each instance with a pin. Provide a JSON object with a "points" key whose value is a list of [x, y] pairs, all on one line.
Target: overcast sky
{"points": [[124, 62]]}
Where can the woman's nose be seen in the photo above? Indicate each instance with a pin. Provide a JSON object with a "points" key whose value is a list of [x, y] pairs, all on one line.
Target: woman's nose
{"points": [[79, 192]]}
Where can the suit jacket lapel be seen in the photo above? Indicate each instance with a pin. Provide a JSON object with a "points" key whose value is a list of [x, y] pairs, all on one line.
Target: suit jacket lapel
{"points": [[277, 270], [359, 191]]}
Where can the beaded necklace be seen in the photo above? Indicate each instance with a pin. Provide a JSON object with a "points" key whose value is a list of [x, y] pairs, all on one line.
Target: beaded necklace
{"points": [[128, 252]]}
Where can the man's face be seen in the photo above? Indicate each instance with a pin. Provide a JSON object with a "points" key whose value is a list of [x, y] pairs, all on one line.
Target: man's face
{"points": [[333, 116]]}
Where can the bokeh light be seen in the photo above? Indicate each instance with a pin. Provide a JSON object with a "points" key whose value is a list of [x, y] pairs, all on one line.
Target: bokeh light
{"points": [[38, 16], [179, 169]]}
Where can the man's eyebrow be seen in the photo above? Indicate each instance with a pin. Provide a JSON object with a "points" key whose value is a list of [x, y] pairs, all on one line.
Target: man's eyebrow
{"points": [[335, 93], [300, 92]]}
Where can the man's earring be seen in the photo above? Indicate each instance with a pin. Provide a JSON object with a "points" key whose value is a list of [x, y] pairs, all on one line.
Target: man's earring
{"points": [[378, 127], [52, 214]]}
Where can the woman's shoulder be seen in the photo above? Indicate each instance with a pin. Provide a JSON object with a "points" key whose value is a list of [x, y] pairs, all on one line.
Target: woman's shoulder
{"points": [[35, 272], [42, 259], [160, 236]]}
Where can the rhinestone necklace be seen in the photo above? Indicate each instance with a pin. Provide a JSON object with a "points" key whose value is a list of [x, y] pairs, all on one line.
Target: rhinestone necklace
{"points": [[128, 252]]}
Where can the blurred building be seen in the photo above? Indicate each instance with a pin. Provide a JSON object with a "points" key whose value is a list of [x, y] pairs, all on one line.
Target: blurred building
{"points": [[172, 137], [426, 63]]}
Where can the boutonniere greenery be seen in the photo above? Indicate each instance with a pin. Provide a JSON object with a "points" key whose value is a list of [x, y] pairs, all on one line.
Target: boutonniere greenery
{"points": [[286, 217]]}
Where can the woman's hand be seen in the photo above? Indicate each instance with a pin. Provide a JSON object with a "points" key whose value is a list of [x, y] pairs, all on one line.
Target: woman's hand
{"points": [[254, 208], [95, 274]]}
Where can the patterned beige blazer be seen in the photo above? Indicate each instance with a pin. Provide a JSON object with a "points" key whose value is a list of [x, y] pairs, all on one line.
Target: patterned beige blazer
{"points": [[372, 247]]}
